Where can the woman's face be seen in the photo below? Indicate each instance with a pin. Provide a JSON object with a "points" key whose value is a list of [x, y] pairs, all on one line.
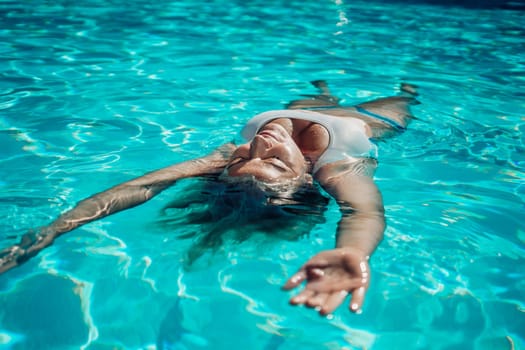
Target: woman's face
{"points": [[272, 155]]}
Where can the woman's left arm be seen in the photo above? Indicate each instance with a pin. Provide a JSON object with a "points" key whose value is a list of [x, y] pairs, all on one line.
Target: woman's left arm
{"points": [[333, 274], [120, 197]]}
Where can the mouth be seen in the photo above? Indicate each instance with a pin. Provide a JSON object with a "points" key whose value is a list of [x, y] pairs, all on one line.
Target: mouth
{"points": [[268, 134]]}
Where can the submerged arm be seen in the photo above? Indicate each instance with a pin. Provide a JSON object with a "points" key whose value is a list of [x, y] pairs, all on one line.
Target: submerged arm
{"points": [[124, 196], [362, 213], [331, 275]]}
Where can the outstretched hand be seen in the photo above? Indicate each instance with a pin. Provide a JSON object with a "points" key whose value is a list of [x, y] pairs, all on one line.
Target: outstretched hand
{"points": [[29, 246], [330, 276]]}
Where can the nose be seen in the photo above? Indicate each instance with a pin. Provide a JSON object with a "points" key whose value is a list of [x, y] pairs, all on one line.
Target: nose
{"points": [[259, 146]]}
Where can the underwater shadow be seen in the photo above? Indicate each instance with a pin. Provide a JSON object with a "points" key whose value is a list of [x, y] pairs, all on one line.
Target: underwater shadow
{"points": [[173, 335]]}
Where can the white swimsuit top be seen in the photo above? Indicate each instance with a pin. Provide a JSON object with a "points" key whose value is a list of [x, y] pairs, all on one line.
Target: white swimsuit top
{"points": [[348, 139]]}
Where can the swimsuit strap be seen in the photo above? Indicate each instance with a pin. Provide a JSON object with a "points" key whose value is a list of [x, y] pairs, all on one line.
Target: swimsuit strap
{"points": [[386, 120], [366, 112]]}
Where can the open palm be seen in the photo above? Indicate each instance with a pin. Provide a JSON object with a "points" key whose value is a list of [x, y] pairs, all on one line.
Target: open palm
{"points": [[330, 276]]}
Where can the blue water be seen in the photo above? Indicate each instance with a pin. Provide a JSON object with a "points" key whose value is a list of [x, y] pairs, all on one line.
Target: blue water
{"points": [[93, 93]]}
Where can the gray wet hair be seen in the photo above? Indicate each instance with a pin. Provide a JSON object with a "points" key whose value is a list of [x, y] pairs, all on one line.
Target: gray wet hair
{"points": [[281, 189]]}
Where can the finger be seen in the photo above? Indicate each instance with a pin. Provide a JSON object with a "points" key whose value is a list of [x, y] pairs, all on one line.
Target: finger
{"points": [[317, 300], [6, 265], [358, 297], [295, 280], [302, 297], [10, 258], [333, 301]]}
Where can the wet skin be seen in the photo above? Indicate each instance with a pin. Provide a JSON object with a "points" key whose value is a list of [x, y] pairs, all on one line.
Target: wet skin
{"points": [[272, 155], [284, 149]]}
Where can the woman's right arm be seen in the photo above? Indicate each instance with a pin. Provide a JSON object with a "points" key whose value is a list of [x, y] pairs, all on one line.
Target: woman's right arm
{"points": [[124, 196]]}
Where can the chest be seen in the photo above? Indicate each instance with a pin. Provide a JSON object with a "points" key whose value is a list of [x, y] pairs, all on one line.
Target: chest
{"points": [[312, 138]]}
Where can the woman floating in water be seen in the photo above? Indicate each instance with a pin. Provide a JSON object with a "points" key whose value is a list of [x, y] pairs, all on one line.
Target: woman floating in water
{"points": [[314, 139]]}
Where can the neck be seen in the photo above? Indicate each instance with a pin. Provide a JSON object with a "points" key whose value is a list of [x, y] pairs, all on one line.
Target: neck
{"points": [[286, 123]]}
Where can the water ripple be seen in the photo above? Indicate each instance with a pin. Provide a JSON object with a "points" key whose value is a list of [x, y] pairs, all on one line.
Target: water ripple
{"points": [[116, 89]]}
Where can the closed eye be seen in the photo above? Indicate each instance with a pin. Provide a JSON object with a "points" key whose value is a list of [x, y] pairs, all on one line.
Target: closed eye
{"points": [[278, 163]]}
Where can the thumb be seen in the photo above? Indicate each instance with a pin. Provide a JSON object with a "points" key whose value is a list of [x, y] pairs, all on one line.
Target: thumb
{"points": [[295, 280]]}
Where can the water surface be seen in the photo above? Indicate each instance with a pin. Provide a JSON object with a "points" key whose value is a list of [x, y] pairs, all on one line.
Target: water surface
{"points": [[95, 93]]}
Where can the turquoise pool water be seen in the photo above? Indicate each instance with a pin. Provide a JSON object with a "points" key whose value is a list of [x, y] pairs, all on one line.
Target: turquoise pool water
{"points": [[93, 93]]}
